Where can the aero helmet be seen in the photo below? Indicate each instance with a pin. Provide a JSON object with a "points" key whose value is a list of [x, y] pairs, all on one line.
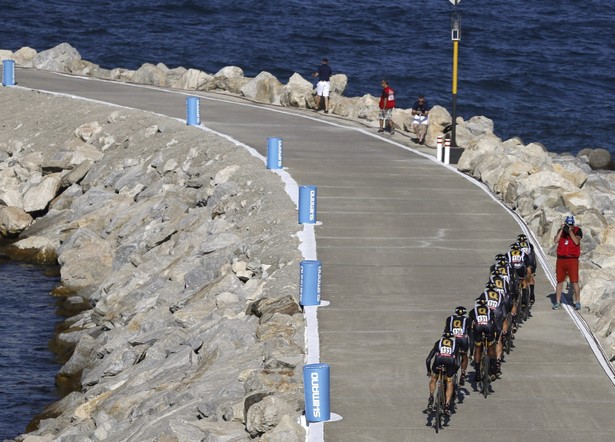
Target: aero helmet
{"points": [[521, 238], [447, 334], [460, 310]]}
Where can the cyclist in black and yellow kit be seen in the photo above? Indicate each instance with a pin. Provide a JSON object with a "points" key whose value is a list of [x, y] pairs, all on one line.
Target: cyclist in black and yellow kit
{"points": [[496, 303], [459, 325], [483, 321], [528, 248], [446, 353]]}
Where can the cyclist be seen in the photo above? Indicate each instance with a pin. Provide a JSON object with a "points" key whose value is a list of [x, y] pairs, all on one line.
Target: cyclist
{"points": [[495, 303], [482, 321], [501, 283], [528, 248], [457, 324], [446, 352], [511, 276], [521, 264]]}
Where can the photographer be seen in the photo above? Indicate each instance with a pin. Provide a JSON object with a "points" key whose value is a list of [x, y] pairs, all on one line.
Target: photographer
{"points": [[568, 241]]}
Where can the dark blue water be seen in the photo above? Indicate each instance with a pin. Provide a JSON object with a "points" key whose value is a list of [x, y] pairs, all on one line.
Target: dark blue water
{"points": [[540, 69], [27, 367]]}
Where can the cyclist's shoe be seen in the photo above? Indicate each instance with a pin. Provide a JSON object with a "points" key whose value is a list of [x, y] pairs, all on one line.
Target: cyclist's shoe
{"points": [[557, 306], [430, 403], [515, 327], [462, 378], [447, 409], [532, 300], [577, 306], [498, 368], [478, 378]]}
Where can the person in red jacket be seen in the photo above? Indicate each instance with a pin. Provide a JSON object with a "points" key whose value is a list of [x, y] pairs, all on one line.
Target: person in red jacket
{"points": [[387, 104], [568, 241]]}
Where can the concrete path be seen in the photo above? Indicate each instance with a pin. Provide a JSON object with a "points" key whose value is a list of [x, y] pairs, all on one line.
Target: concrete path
{"points": [[403, 241]]}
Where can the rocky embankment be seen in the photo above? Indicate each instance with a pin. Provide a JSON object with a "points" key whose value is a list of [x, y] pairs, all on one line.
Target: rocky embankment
{"points": [[179, 261], [543, 189]]}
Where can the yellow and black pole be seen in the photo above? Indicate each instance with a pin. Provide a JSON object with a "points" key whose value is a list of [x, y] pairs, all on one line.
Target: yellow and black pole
{"points": [[455, 36]]}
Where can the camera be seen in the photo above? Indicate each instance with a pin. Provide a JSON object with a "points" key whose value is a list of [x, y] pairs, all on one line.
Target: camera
{"points": [[566, 228]]}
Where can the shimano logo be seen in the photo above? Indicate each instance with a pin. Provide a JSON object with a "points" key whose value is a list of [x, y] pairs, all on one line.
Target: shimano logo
{"points": [[312, 204], [315, 394]]}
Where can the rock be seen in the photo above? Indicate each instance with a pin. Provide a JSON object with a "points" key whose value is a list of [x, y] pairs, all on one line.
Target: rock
{"points": [[338, 83], [24, 57], [85, 259], [150, 74], [193, 79], [39, 196], [266, 414], [600, 159], [13, 221], [264, 88], [297, 93], [286, 430], [56, 59], [229, 79]]}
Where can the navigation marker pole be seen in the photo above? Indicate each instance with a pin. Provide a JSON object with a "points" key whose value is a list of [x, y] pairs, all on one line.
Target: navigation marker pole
{"points": [[455, 36]]}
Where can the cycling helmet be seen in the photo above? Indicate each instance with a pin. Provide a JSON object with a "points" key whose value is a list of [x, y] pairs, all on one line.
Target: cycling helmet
{"points": [[447, 334], [481, 301], [521, 238], [461, 310], [490, 286], [570, 220], [500, 256], [515, 246]]}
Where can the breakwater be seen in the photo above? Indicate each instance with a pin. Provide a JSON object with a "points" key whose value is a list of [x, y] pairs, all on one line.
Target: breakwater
{"points": [[179, 262]]}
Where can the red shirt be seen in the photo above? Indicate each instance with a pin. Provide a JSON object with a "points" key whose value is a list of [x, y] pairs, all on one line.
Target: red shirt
{"points": [[566, 248], [389, 95]]}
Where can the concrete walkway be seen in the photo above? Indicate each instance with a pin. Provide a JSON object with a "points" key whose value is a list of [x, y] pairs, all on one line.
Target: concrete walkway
{"points": [[403, 241]]}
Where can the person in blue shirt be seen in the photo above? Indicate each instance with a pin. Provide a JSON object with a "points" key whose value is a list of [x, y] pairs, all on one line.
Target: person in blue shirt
{"points": [[323, 87]]}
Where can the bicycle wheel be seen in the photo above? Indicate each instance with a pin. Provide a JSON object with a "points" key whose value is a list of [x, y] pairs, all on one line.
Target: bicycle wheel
{"points": [[508, 336], [484, 371], [525, 302], [439, 404]]}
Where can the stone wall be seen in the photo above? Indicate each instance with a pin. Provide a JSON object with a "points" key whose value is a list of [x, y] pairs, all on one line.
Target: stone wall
{"points": [[179, 261]]}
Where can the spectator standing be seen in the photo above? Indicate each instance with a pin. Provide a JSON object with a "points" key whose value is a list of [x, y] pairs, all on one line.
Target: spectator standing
{"points": [[387, 104], [323, 87], [568, 241], [420, 110]]}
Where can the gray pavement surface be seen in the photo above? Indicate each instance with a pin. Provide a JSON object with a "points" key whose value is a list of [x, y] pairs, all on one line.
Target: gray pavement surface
{"points": [[403, 241]]}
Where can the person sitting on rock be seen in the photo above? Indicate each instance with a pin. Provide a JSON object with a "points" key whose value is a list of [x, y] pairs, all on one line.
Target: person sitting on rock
{"points": [[420, 110]]}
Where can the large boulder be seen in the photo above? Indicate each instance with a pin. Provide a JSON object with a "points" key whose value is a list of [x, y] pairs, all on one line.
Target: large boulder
{"points": [[192, 79], [13, 221], [24, 57], [264, 88], [230, 79], [56, 59], [338, 83], [150, 74], [600, 159], [38, 197], [297, 93]]}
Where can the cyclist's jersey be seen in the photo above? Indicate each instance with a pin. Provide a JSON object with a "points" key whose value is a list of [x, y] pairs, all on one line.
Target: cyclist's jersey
{"points": [[501, 283], [508, 273], [483, 321], [457, 325], [527, 248], [446, 353], [495, 302], [519, 261]]}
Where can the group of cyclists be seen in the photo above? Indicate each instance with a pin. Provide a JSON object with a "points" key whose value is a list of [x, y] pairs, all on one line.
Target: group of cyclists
{"points": [[495, 316]]}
